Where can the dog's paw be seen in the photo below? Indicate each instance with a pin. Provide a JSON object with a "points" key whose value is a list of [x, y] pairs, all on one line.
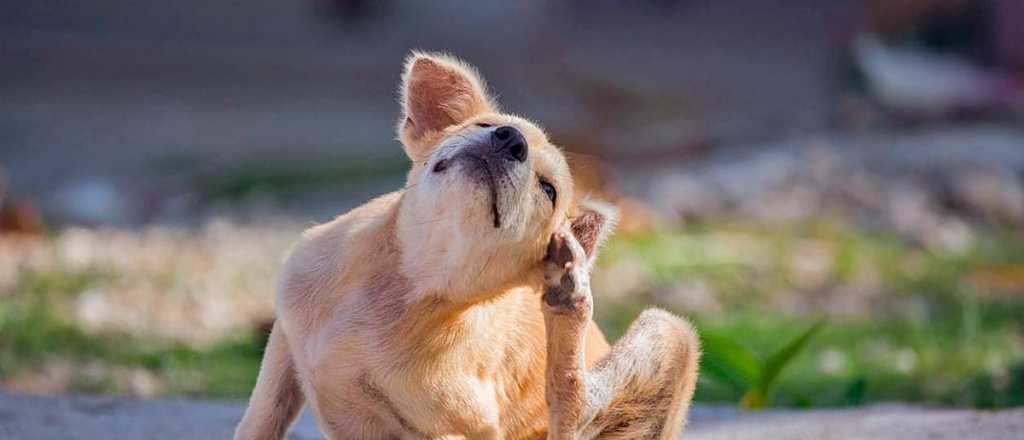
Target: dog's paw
{"points": [[566, 280]]}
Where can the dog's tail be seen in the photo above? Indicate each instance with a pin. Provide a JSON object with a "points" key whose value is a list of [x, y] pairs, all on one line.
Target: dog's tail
{"points": [[277, 398]]}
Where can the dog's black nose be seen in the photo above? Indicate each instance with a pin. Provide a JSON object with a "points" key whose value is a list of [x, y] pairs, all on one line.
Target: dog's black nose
{"points": [[510, 143]]}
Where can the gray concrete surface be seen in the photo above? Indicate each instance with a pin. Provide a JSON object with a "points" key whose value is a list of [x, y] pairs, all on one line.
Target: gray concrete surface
{"points": [[29, 418]]}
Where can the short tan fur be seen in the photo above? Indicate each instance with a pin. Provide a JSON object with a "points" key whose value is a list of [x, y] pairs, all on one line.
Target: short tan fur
{"points": [[459, 307]]}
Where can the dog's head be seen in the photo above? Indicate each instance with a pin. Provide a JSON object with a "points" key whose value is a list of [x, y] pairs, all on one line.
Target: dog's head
{"points": [[486, 189]]}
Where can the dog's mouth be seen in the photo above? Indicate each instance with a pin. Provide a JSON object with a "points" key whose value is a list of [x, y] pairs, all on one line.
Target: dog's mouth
{"points": [[480, 170]]}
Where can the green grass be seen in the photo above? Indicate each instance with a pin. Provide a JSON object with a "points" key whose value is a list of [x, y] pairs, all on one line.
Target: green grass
{"points": [[932, 336], [35, 329], [282, 176], [928, 332], [884, 361]]}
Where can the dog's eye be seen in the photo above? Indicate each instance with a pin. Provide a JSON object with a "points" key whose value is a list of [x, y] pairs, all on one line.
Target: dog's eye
{"points": [[484, 125], [549, 190]]}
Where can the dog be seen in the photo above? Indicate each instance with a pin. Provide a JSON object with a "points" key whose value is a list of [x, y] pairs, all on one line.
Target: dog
{"points": [[459, 307]]}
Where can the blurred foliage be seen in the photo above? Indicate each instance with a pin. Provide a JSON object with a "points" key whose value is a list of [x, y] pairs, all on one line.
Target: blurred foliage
{"points": [[728, 361], [35, 328], [925, 331], [902, 322], [276, 177]]}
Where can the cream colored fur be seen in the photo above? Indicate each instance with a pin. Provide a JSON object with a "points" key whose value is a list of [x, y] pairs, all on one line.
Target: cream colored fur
{"points": [[419, 315]]}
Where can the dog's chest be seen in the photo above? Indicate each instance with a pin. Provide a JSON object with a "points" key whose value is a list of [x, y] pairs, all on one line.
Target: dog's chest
{"points": [[462, 377], [452, 392]]}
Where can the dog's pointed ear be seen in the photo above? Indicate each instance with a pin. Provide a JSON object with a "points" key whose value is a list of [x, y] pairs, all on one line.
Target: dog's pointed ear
{"points": [[438, 91], [592, 223]]}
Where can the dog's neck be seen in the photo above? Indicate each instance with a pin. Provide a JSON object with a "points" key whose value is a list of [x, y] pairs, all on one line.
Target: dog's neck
{"points": [[413, 326], [439, 296], [460, 270]]}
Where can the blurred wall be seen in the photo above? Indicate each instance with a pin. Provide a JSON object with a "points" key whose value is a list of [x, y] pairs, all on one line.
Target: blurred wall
{"points": [[117, 88]]}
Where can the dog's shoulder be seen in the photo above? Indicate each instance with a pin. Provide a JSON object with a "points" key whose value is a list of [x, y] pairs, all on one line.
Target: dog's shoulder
{"points": [[332, 255]]}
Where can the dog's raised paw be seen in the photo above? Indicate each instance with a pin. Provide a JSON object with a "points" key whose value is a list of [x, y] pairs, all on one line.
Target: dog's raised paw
{"points": [[566, 281]]}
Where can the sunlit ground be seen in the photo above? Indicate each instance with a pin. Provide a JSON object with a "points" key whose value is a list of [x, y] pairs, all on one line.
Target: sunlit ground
{"points": [[178, 312]]}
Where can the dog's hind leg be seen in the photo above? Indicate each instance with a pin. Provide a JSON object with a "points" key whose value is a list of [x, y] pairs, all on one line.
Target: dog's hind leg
{"points": [[640, 390], [643, 388]]}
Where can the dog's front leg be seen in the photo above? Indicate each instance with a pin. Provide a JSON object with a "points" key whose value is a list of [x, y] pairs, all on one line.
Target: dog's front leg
{"points": [[568, 307], [640, 390]]}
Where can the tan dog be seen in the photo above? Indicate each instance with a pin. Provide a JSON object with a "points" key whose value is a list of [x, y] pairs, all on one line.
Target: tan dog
{"points": [[460, 306]]}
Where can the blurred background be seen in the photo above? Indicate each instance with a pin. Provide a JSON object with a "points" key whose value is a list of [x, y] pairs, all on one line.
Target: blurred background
{"points": [[832, 191]]}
